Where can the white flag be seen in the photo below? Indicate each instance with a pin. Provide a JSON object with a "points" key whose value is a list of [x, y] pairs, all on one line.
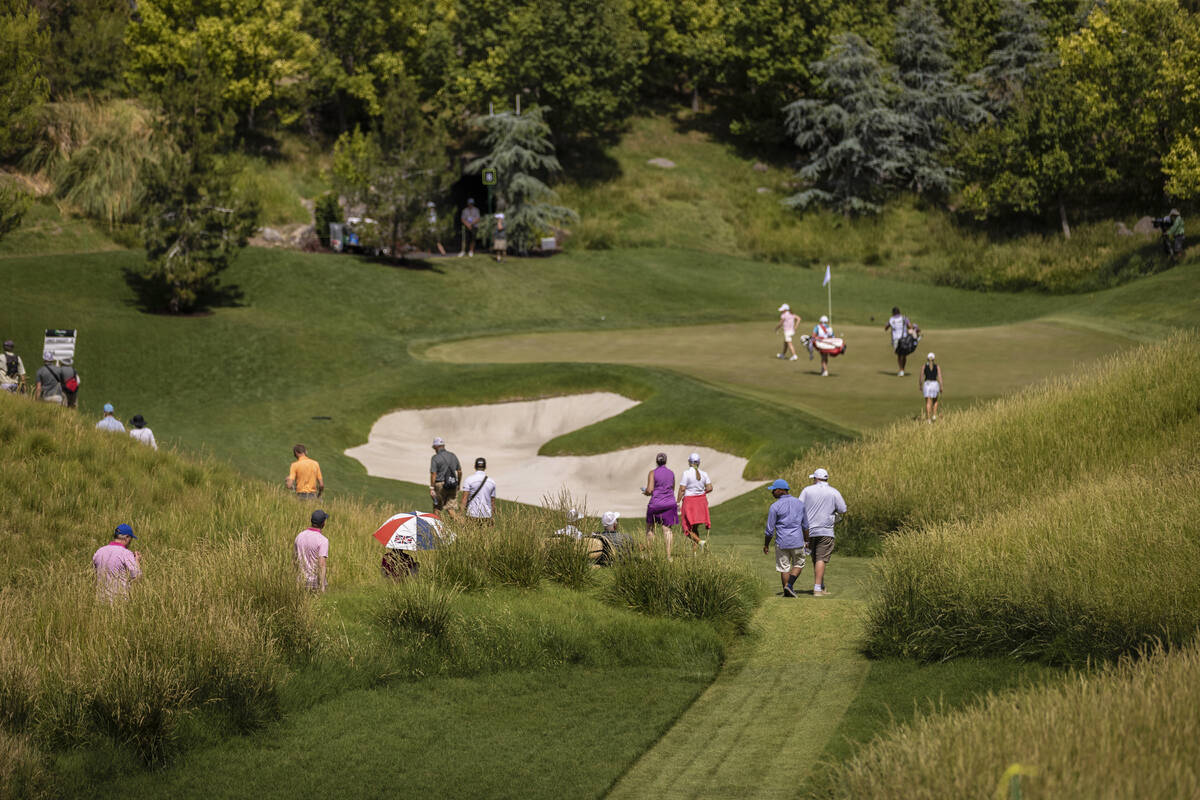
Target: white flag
{"points": [[828, 276]]}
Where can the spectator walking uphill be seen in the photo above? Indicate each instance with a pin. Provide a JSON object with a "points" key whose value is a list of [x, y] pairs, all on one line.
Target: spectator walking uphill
{"points": [[116, 565], [904, 337], [445, 475], [499, 238], [823, 506], [787, 322], [694, 488], [788, 526], [305, 475], [931, 386], [49, 385], [109, 422], [311, 549], [478, 498], [470, 223], [139, 431], [661, 510], [12, 370]]}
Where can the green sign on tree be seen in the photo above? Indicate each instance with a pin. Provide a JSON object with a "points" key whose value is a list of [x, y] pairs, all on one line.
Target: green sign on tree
{"points": [[489, 177]]}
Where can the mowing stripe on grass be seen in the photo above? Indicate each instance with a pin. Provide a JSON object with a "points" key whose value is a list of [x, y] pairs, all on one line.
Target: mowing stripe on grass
{"points": [[759, 729]]}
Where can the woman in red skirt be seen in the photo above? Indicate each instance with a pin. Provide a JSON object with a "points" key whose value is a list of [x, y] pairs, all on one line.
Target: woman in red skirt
{"points": [[694, 487]]}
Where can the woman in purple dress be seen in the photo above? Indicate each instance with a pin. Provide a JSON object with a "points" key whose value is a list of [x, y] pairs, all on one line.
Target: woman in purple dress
{"points": [[661, 510]]}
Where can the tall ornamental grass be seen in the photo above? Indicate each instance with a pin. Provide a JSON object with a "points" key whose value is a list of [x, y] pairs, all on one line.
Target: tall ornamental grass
{"points": [[1016, 450], [1093, 572], [23, 771], [717, 589], [1128, 731]]}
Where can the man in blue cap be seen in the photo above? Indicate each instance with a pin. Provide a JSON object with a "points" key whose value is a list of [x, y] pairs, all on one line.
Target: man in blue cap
{"points": [[787, 524], [116, 565], [108, 422]]}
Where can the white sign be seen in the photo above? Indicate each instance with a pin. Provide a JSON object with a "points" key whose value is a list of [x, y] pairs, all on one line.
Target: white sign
{"points": [[60, 342]]}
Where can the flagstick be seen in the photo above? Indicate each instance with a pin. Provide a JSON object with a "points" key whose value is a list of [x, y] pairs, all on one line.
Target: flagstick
{"points": [[829, 287]]}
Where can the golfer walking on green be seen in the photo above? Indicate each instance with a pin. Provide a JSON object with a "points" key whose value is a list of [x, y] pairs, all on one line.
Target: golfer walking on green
{"points": [[787, 524]]}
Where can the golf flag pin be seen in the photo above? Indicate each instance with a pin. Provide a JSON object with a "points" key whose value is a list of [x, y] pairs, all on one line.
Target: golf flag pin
{"points": [[828, 276]]}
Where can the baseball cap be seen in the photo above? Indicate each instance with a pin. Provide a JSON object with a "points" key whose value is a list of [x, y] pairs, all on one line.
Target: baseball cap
{"points": [[499, 216], [823, 318], [429, 204], [8, 344], [48, 355], [1174, 212], [108, 408], [470, 201], [481, 463], [694, 458], [124, 530], [930, 357], [609, 518], [574, 515], [319, 517], [820, 474], [439, 441], [780, 483], [785, 307]]}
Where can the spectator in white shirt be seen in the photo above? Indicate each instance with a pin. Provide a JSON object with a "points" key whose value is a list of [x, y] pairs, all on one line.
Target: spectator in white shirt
{"points": [[694, 487], [139, 431], [824, 506], [478, 495]]}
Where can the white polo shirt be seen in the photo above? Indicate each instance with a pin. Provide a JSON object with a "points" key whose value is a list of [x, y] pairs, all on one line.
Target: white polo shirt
{"points": [[481, 506], [693, 481], [821, 501]]}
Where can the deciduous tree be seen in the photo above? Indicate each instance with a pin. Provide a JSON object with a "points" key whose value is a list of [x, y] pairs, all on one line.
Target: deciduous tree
{"points": [[23, 86]]}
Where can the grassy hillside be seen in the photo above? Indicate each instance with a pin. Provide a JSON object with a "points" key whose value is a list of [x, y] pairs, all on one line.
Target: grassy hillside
{"points": [[217, 641]]}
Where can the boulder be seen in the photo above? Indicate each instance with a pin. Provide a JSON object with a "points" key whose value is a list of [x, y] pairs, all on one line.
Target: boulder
{"points": [[762, 190], [1144, 226], [270, 235], [665, 163], [1123, 230]]}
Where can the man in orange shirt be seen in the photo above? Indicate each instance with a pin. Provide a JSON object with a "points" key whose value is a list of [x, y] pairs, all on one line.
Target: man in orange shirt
{"points": [[305, 475]]}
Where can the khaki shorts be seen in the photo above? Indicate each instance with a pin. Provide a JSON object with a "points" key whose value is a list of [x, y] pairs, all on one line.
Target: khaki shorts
{"points": [[788, 558], [821, 547], [443, 497]]}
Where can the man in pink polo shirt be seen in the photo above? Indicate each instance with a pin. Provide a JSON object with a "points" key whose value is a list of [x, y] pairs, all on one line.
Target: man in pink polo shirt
{"points": [[312, 551], [116, 565]]}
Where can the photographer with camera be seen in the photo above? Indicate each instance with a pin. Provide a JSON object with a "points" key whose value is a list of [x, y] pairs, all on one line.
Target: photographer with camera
{"points": [[1172, 233]]}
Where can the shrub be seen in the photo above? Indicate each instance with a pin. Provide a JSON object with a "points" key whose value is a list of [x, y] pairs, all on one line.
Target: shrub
{"points": [[1132, 730], [23, 771], [568, 562], [327, 210], [417, 606]]}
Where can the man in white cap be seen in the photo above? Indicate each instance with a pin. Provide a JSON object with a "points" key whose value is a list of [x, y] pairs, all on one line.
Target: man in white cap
{"points": [[109, 422], [694, 486], [49, 386], [824, 506], [612, 542], [787, 321], [445, 475]]}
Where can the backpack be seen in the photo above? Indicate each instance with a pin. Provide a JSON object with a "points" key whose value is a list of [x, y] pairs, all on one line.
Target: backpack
{"points": [[10, 365]]}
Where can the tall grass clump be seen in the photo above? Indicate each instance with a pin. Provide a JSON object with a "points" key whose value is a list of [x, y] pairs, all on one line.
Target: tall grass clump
{"points": [[716, 589], [1037, 442], [1094, 572], [1131, 730], [23, 772]]}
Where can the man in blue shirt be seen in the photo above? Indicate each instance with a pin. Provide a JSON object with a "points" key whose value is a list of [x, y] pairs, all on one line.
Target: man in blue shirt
{"points": [[787, 524], [108, 422]]}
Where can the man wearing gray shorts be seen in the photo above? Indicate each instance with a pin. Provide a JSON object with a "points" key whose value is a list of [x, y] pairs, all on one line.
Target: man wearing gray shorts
{"points": [[787, 524], [824, 506]]}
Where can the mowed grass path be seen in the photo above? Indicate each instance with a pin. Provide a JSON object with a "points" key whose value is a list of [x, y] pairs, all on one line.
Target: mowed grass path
{"points": [[862, 390]]}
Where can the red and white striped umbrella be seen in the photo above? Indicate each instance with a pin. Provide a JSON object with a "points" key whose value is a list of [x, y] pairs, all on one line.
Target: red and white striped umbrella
{"points": [[413, 530]]}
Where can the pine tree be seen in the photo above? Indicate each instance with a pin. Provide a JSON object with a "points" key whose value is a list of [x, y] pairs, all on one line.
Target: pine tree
{"points": [[1020, 53], [853, 139], [932, 100], [519, 150]]}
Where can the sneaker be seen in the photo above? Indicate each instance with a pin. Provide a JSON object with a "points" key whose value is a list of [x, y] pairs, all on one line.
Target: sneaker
{"points": [[935, 417], [789, 592], [824, 374], [460, 255], [794, 358], [703, 542], [779, 355], [820, 593], [900, 374]]}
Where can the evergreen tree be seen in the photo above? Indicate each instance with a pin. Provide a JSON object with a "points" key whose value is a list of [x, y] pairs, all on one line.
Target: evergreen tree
{"points": [[932, 100], [193, 223], [23, 85], [520, 149], [853, 140], [1020, 53]]}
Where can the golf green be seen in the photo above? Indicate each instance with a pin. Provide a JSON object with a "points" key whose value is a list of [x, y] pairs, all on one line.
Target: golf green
{"points": [[862, 391]]}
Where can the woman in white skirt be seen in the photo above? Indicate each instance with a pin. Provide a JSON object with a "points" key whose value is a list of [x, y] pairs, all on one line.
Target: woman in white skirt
{"points": [[931, 386]]}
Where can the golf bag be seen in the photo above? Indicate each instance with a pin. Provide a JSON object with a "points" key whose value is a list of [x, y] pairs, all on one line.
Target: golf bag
{"points": [[906, 344]]}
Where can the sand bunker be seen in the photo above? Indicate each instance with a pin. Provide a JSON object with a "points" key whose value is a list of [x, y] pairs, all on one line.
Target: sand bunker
{"points": [[509, 436]]}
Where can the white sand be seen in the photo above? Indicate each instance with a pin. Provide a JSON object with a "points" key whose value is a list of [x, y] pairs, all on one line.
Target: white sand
{"points": [[509, 435]]}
